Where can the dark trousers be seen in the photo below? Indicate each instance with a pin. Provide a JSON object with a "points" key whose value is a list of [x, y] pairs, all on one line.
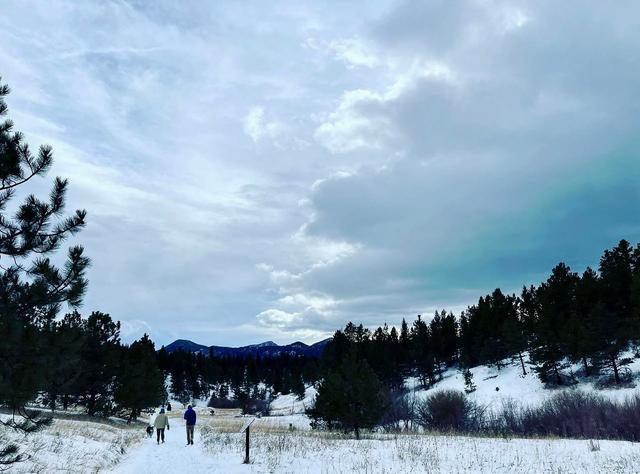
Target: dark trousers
{"points": [[190, 434], [160, 434]]}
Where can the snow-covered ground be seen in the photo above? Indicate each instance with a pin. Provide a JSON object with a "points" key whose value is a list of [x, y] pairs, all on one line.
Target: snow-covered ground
{"points": [[71, 446], [284, 444], [303, 452], [290, 404], [277, 448], [494, 386]]}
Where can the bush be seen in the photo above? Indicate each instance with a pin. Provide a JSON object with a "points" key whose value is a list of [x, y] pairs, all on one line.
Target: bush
{"points": [[400, 413], [449, 410], [250, 406], [216, 402], [571, 414], [567, 414]]}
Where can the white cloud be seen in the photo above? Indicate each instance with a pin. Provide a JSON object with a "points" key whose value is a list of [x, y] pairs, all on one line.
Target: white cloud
{"points": [[361, 119], [257, 127], [278, 318], [354, 53], [393, 146]]}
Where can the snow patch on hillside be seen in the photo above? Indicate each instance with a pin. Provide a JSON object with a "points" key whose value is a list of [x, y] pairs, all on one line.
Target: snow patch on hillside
{"points": [[290, 404], [494, 386]]}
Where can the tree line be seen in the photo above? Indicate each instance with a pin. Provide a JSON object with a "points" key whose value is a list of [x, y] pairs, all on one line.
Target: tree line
{"points": [[245, 379], [591, 319]]}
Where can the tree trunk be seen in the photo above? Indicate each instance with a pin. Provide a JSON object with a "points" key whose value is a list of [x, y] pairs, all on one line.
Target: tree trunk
{"points": [[586, 366], [555, 370], [615, 370], [91, 406], [524, 371]]}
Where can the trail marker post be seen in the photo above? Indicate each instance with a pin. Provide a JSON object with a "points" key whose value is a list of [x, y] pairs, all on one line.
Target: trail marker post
{"points": [[246, 427]]}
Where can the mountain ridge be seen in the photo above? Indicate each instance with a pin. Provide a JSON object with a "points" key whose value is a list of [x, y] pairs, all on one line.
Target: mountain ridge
{"points": [[263, 349]]}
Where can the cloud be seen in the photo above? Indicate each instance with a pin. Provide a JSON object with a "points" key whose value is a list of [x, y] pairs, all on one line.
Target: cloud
{"points": [[272, 171], [485, 125], [361, 119], [257, 128], [354, 53]]}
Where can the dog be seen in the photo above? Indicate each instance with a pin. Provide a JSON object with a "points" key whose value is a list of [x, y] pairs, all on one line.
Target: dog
{"points": [[149, 431]]}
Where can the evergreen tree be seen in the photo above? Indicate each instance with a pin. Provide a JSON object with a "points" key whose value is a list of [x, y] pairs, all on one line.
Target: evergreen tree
{"points": [[350, 397], [140, 383], [582, 326], [100, 356], [449, 335], [179, 385], [422, 352], [514, 331], [32, 289], [556, 307], [223, 391], [469, 385], [404, 342], [64, 340], [298, 388], [616, 325]]}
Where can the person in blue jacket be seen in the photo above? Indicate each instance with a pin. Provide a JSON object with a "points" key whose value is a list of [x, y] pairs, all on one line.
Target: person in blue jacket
{"points": [[190, 417]]}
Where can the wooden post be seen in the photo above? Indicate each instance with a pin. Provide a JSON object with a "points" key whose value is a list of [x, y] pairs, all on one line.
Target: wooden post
{"points": [[246, 446], [245, 428]]}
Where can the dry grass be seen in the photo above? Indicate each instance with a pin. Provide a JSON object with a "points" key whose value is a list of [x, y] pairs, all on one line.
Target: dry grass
{"points": [[73, 446], [277, 449]]}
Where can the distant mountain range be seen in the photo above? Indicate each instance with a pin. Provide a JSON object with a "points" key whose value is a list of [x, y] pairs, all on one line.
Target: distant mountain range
{"points": [[265, 349]]}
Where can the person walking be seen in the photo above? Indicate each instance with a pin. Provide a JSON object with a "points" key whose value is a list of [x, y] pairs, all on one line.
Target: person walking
{"points": [[160, 423], [190, 417]]}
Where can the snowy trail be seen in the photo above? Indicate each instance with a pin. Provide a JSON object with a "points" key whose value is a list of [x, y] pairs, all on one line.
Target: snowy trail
{"points": [[175, 457]]}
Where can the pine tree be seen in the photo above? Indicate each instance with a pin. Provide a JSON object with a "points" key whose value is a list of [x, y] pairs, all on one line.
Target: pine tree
{"points": [[140, 383], [514, 331], [422, 352], [616, 325], [404, 342], [449, 335], [556, 299], [350, 397], [298, 388], [581, 330], [100, 356], [32, 289], [64, 340], [179, 386], [469, 385]]}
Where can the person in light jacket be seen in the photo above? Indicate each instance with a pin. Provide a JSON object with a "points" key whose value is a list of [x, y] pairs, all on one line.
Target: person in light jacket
{"points": [[161, 422], [190, 417]]}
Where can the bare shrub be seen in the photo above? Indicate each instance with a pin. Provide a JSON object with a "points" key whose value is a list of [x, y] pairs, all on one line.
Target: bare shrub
{"points": [[400, 413], [507, 420], [570, 414], [449, 410]]}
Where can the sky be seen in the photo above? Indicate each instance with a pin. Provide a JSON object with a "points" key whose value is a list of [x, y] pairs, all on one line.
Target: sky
{"points": [[272, 170]]}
